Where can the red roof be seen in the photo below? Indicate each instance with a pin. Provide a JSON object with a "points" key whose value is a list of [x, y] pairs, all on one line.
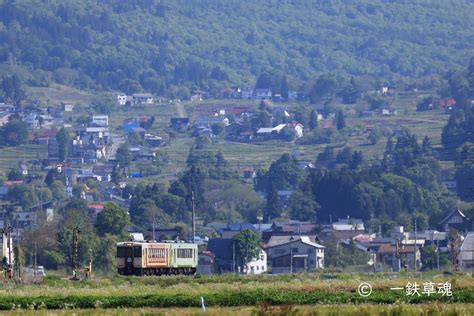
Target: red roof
{"points": [[12, 182], [96, 206]]}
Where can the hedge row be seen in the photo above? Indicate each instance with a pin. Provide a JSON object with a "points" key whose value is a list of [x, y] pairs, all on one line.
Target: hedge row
{"points": [[224, 299]]}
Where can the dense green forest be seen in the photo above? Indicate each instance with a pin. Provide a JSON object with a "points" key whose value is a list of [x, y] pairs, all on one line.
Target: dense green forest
{"points": [[170, 47]]}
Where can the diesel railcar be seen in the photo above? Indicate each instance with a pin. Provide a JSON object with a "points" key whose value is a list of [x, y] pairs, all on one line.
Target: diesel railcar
{"points": [[156, 258]]}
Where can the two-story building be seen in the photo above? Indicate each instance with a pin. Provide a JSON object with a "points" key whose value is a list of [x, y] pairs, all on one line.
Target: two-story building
{"points": [[292, 254]]}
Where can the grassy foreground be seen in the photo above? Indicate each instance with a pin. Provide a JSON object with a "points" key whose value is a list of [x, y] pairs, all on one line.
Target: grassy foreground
{"points": [[290, 310], [227, 291]]}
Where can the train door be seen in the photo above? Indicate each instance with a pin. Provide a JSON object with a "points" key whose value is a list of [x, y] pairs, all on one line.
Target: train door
{"points": [[129, 260]]}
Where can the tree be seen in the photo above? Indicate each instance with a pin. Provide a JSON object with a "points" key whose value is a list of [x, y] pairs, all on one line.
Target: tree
{"points": [[313, 120], [112, 220], [430, 256], [13, 90], [15, 175], [124, 158], [15, 132], [426, 148], [340, 121], [58, 190], [357, 159], [465, 179], [374, 137], [63, 139], [51, 177], [454, 243], [303, 207], [247, 247], [217, 129], [273, 207]]}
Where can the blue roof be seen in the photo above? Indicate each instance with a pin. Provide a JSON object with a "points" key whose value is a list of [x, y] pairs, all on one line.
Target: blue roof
{"points": [[240, 226]]}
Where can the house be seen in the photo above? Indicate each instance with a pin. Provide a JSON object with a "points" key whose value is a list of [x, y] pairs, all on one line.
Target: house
{"points": [[292, 95], [249, 173], [6, 107], [4, 117], [23, 220], [294, 254], [389, 112], [327, 124], [95, 209], [457, 220], [451, 185], [45, 121], [235, 93], [153, 140], [100, 120], [121, 99], [104, 171], [139, 131], [6, 249], [140, 153], [387, 253], [207, 122], [68, 106], [277, 98], [247, 94], [263, 94], [31, 120], [128, 125], [206, 263], [367, 114], [179, 124], [270, 132], [466, 253], [142, 98], [348, 224], [226, 261], [290, 228], [447, 104], [297, 128]]}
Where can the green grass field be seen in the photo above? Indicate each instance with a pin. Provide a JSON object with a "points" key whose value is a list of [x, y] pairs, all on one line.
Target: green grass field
{"points": [[301, 293], [10, 156]]}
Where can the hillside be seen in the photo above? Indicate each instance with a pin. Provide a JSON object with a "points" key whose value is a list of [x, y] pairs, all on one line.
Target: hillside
{"points": [[168, 47]]}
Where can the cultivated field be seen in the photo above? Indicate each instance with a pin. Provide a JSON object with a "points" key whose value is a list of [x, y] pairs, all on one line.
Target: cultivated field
{"points": [[279, 295]]}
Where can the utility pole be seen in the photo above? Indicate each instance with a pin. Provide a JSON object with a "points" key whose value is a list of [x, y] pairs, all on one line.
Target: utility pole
{"points": [[194, 217], [437, 251], [75, 248], [153, 226], [10, 261], [35, 267], [233, 256], [414, 249], [291, 259]]}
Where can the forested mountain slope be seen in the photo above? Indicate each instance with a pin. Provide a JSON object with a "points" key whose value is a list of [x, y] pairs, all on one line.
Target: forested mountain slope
{"points": [[162, 44]]}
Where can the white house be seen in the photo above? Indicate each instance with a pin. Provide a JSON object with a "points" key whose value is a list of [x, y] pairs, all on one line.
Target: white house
{"points": [[257, 266], [100, 120], [7, 247], [146, 98], [122, 99], [466, 253], [263, 94]]}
